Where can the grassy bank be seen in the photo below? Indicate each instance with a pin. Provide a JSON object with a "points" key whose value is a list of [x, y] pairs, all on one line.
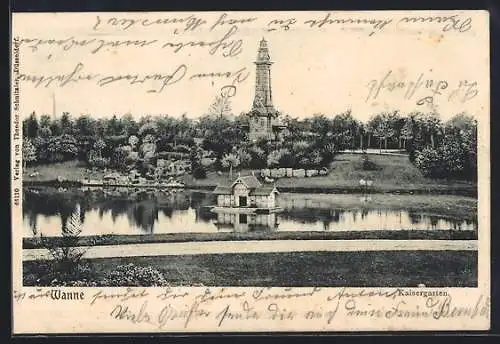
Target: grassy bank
{"points": [[394, 174], [69, 170], [306, 269], [30, 243]]}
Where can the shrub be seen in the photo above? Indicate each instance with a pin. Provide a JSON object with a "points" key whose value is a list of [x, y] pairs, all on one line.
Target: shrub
{"points": [[84, 275], [132, 275], [66, 255], [207, 162], [430, 163], [52, 274], [199, 172], [367, 164]]}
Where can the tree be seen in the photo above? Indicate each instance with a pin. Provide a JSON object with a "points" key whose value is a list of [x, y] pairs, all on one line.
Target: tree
{"points": [[45, 121], [56, 128], [230, 160], [282, 157], [148, 147], [114, 127], [383, 127], [95, 157], [369, 131], [41, 144], [65, 251], [245, 157], [84, 126], [148, 128], [32, 126], [316, 158], [61, 148], [130, 126], [100, 126], [429, 162], [328, 152], [44, 132], [259, 159], [66, 123], [455, 157], [119, 158], [132, 158], [407, 131], [463, 128], [361, 133], [412, 133], [221, 106], [29, 152], [195, 156], [319, 124], [133, 141], [344, 130], [462, 121], [432, 126], [220, 134], [287, 159]]}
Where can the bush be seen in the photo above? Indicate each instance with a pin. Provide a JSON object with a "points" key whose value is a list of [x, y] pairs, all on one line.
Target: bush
{"points": [[430, 163], [84, 275], [367, 164], [131, 275], [199, 172], [454, 158], [51, 273]]}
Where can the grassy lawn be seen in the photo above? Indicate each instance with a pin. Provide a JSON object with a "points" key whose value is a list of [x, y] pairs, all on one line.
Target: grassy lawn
{"points": [[395, 173], [306, 269], [29, 243], [69, 170]]}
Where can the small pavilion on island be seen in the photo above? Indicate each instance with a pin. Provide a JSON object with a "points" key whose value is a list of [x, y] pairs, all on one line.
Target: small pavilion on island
{"points": [[246, 205], [247, 193]]}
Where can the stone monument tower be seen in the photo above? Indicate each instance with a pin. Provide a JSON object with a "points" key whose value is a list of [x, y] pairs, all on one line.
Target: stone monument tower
{"points": [[263, 122]]}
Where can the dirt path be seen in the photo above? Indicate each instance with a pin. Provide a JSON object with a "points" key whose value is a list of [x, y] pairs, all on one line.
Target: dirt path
{"points": [[227, 247]]}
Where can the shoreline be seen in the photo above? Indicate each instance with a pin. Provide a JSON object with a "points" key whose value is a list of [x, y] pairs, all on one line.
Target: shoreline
{"points": [[392, 175], [120, 239], [465, 190]]}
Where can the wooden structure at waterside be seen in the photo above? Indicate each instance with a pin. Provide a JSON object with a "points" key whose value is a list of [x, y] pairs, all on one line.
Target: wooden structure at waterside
{"points": [[246, 204], [247, 194]]}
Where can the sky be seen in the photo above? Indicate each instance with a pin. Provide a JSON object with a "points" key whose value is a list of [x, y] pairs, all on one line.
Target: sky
{"points": [[316, 70]]}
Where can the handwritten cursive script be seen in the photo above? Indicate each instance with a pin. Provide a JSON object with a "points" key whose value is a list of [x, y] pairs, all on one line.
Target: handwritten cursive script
{"points": [[423, 88], [153, 82]]}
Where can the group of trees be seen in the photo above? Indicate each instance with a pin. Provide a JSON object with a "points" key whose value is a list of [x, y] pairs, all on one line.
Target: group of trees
{"points": [[452, 152], [439, 149], [219, 140]]}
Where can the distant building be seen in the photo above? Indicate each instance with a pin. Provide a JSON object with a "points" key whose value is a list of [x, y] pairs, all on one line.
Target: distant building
{"points": [[264, 121], [246, 192]]}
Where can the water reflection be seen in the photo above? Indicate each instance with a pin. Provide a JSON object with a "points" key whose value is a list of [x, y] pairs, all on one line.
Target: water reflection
{"points": [[126, 211], [240, 222]]}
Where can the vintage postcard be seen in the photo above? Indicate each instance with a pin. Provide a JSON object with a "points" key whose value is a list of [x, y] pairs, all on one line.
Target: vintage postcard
{"points": [[250, 171]]}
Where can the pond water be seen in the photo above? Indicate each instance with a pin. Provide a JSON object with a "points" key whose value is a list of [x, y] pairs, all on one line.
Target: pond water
{"points": [[125, 211]]}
